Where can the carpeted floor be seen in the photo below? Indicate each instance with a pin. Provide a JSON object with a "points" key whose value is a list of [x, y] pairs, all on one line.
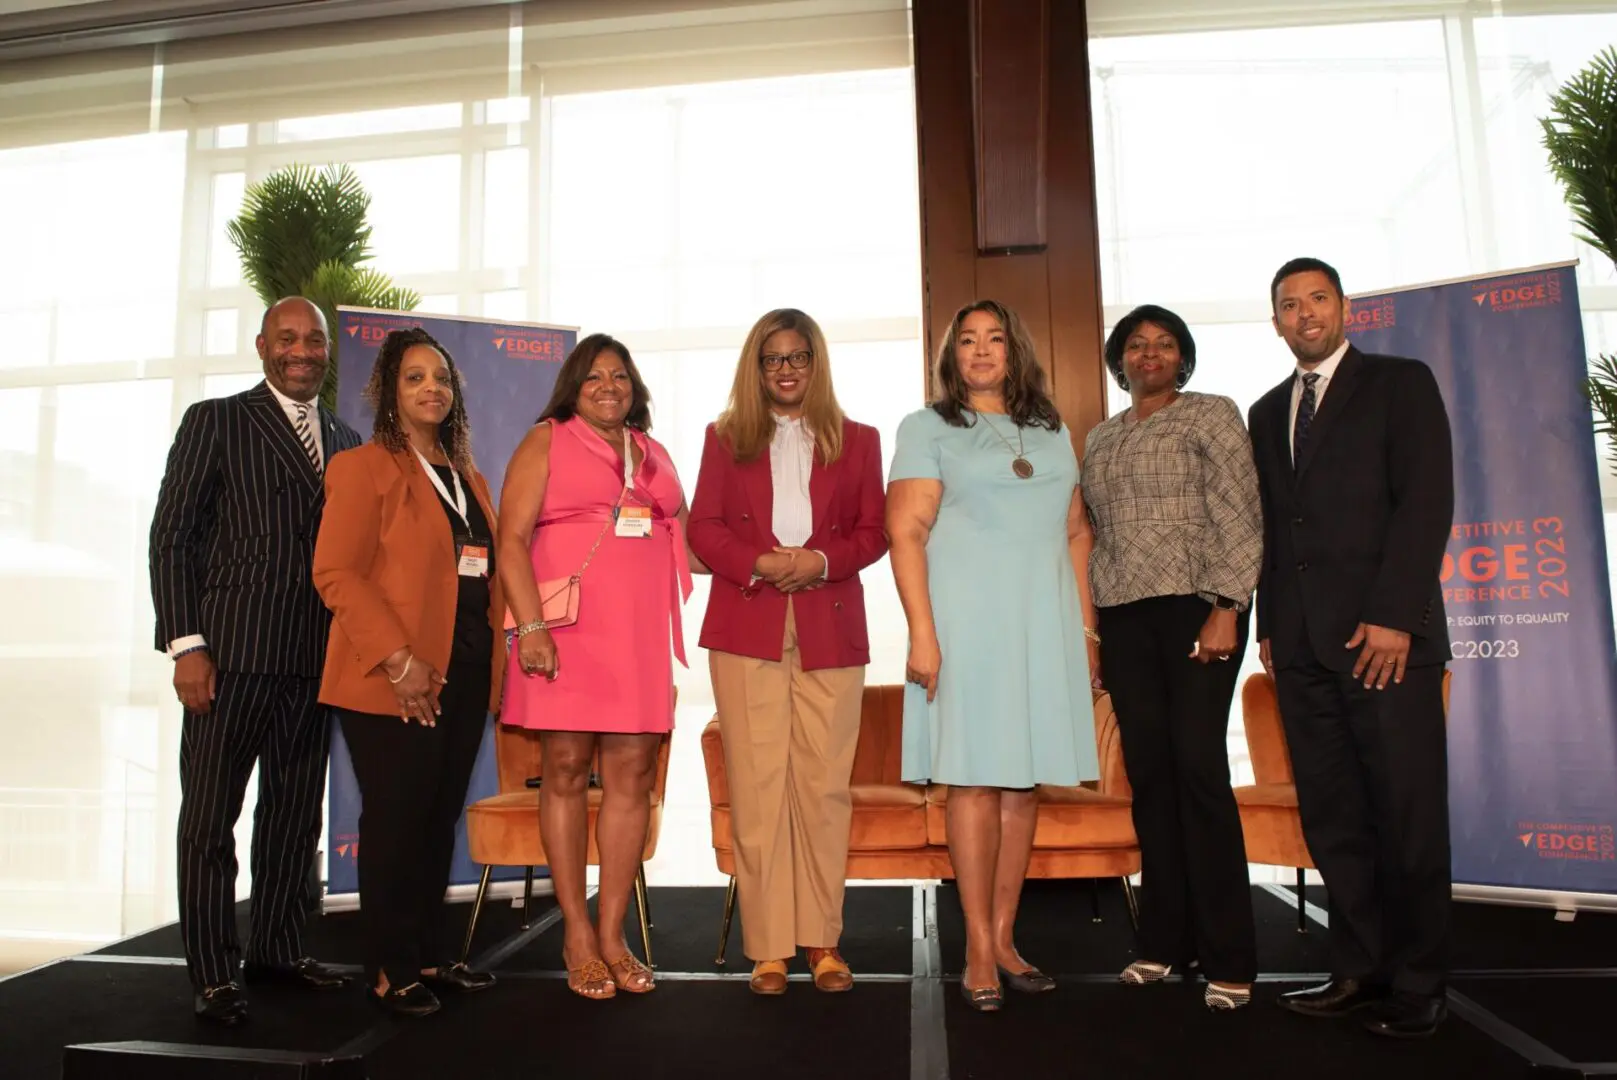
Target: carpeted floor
{"points": [[534, 1027], [1493, 937], [1056, 931], [703, 1022], [685, 935]]}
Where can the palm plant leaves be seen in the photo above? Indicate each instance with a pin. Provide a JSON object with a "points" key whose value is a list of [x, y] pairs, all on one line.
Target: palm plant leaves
{"points": [[1580, 135], [296, 219], [1601, 387], [302, 231]]}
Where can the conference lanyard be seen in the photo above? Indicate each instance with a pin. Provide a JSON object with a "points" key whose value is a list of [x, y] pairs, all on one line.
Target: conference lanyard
{"points": [[459, 501]]}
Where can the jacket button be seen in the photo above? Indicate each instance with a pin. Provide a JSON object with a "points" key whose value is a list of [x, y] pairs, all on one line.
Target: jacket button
{"points": [[746, 517], [1296, 521], [1302, 566], [834, 528], [837, 605]]}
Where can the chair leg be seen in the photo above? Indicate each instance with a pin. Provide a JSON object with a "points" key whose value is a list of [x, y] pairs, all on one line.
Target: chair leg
{"points": [[477, 909], [1133, 902], [644, 908], [724, 928], [527, 897], [1094, 900], [1302, 915]]}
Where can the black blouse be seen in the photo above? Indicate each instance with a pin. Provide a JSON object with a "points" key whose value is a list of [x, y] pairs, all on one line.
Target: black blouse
{"points": [[474, 638]]}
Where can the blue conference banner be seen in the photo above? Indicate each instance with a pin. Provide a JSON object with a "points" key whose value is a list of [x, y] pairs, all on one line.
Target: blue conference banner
{"points": [[1533, 700], [508, 370]]}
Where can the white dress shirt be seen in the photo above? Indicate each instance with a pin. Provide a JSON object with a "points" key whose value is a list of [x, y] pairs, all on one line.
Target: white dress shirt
{"points": [[290, 407], [1325, 369], [791, 462]]}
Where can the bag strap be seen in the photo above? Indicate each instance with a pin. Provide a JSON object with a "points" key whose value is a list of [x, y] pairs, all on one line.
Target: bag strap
{"points": [[598, 538]]}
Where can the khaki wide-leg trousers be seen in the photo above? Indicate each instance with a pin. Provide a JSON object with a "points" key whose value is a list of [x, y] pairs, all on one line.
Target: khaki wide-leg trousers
{"points": [[789, 741]]}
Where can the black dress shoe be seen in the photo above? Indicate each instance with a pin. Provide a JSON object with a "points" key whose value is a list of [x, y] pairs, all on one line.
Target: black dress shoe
{"points": [[412, 1000], [223, 1004], [1408, 1016], [1031, 981], [1335, 998], [460, 978], [307, 972]]}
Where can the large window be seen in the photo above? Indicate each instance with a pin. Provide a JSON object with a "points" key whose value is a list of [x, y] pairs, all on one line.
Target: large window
{"points": [[517, 171], [1402, 152]]}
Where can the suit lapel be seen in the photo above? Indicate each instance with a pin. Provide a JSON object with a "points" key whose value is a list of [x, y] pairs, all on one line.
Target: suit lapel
{"points": [[270, 419], [823, 482], [1337, 392], [760, 488], [1278, 407]]}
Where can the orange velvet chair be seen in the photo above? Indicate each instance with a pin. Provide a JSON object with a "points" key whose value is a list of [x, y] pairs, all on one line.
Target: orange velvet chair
{"points": [[899, 830], [503, 829], [1269, 815]]}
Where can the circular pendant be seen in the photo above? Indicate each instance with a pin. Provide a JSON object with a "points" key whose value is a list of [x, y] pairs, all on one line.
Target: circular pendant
{"points": [[1022, 467]]}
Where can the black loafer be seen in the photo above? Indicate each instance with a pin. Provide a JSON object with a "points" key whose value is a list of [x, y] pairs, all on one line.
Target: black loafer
{"points": [[983, 998], [224, 1004], [1407, 1016], [306, 972], [412, 1000], [1335, 998], [1031, 981], [460, 978]]}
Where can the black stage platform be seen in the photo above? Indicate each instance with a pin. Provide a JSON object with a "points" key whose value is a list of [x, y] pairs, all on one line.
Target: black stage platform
{"points": [[1530, 997]]}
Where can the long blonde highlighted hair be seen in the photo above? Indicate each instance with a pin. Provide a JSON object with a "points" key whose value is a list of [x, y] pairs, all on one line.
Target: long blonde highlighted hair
{"points": [[747, 426]]}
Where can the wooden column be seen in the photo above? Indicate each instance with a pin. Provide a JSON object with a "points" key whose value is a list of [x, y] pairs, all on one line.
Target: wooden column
{"points": [[1008, 181]]}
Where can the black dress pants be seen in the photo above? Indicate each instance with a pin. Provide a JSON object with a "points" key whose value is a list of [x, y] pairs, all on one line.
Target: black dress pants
{"points": [[412, 787], [1372, 788], [277, 723], [1173, 715]]}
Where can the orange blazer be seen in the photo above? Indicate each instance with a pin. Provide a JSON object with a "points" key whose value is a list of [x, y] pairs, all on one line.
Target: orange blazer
{"points": [[384, 564]]}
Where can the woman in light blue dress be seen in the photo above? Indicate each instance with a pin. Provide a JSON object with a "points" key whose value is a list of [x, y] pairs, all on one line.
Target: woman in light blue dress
{"points": [[990, 548]]}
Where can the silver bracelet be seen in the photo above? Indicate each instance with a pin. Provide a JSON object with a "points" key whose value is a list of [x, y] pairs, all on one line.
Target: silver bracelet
{"points": [[408, 660]]}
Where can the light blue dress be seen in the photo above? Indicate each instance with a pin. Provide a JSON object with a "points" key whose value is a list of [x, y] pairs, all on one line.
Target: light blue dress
{"points": [[1013, 707]]}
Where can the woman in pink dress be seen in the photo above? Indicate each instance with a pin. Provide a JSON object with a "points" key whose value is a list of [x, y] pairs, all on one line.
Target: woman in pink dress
{"points": [[589, 490]]}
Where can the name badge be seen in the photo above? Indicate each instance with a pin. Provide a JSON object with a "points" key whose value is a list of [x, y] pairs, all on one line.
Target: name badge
{"points": [[634, 521], [471, 557]]}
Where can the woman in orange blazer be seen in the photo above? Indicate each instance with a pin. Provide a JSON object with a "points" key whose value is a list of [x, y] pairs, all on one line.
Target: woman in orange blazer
{"points": [[405, 562]]}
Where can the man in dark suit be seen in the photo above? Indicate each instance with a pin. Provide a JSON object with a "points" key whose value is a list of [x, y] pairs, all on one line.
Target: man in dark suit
{"points": [[1356, 475], [231, 546]]}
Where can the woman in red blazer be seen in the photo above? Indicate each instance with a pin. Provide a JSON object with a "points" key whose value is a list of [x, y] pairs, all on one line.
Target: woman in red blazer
{"points": [[405, 562], [788, 510]]}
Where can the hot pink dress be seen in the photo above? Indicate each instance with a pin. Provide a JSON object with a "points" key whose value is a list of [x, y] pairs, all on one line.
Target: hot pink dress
{"points": [[616, 674]]}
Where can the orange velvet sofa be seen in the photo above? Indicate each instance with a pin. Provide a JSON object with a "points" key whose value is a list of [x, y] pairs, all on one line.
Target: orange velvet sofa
{"points": [[899, 830], [1269, 814], [503, 829]]}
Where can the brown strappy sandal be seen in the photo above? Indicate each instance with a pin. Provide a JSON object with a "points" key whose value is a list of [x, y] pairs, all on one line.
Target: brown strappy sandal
{"points": [[631, 976], [831, 973], [591, 980]]}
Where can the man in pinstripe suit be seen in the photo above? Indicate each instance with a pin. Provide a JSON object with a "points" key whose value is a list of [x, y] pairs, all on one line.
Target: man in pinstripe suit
{"points": [[231, 545]]}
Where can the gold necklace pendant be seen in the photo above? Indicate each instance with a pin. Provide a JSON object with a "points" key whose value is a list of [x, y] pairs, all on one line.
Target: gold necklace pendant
{"points": [[1022, 467]]}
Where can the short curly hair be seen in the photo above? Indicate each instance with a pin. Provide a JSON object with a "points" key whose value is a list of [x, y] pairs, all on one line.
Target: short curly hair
{"points": [[382, 392], [1118, 340]]}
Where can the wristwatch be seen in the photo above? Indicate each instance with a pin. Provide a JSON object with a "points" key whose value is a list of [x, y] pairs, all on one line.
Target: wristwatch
{"points": [[1225, 602]]}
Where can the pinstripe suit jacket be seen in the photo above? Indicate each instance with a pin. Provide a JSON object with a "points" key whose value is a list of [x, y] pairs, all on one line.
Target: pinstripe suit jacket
{"points": [[233, 536]]}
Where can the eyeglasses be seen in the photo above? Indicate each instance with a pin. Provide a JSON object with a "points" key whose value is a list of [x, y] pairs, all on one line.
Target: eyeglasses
{"points": [[798, 360]]}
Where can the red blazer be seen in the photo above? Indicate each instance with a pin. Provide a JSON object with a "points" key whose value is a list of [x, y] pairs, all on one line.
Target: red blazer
{"points": [[731, 524]]}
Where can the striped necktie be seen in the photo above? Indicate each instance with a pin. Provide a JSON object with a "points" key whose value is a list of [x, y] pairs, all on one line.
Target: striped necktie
{"points": [[306, 436], [1305, 417]]}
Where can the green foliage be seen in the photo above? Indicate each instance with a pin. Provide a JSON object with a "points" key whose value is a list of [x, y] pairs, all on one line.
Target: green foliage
{"points": [[1580, 135], [302, 232]]}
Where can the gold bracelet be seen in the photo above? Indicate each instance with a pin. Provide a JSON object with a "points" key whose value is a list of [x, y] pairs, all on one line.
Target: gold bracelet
{"points": [[1091, 635], [529, 627]]}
